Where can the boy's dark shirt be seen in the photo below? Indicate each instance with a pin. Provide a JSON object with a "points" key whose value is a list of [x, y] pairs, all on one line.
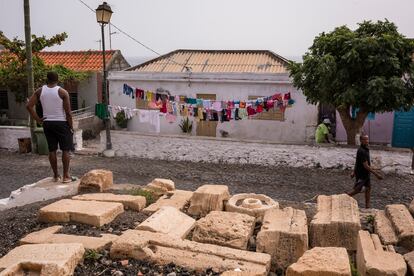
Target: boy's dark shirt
{"points": [[362, 156]]}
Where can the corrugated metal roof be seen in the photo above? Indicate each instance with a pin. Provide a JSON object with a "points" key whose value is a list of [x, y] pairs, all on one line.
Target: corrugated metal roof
{"points": [[216, 61], [77, 60]]}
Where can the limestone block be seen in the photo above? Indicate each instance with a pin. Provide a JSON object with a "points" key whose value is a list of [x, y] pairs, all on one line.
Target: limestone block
{"points": [[96, 181], [373, 260], [42, 259], [89, 212], [252, 204], [239, 273], [409, 258], [225, 228], [177, 199], [336, 222], [403, 224], [163, 249], [322, 261], [284, 235], [384, 228], [136, 203], [48, 235], [162, 184], [208, 198], [411, 207], [169, 220]]}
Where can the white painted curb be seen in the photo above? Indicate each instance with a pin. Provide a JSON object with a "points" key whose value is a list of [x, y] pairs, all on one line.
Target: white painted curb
{"points": [[44, 189]]}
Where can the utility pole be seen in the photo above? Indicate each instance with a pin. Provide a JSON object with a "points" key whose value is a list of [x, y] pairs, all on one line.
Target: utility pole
{"points": [[29, 63]]}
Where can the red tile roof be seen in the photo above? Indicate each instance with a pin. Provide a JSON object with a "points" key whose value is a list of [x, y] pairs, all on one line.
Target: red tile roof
{"points": [[77, 60]]}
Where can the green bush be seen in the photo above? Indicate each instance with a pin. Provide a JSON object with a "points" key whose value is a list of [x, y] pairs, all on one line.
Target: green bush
{"points": [[149, 196], [91, 254], [186, 125], [121, 120]]}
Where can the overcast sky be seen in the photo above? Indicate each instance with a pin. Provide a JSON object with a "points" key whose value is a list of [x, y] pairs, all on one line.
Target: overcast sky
{"points": [[285, 27]]}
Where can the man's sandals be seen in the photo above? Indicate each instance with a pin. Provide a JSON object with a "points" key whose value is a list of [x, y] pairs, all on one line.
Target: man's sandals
{"points": [[68, 180]]}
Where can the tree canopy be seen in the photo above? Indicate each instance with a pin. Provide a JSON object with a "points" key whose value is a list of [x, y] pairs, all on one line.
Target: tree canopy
{"points": [[13, 74], [370, 68]]}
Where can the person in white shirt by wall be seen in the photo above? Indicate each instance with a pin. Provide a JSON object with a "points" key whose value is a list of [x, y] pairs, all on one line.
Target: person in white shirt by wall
{"points": [[57, 122]]}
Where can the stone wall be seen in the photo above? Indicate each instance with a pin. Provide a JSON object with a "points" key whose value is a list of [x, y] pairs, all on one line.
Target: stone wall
{"points": [[221, 150], [10, 134]]}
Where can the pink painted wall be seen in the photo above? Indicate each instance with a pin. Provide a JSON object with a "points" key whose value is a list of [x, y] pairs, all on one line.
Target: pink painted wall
{"points": [[378, 130]]}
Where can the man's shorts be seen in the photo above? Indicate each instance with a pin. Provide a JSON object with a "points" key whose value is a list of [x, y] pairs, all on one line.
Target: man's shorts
{"points": [[58, 132], [360, 183]]}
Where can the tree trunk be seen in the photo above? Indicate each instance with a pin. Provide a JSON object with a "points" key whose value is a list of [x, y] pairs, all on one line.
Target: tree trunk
{"points": [[352, 126], [30, 85]]}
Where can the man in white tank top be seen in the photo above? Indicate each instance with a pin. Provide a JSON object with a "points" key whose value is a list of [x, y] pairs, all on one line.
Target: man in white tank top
{"points": [[57, 122]]}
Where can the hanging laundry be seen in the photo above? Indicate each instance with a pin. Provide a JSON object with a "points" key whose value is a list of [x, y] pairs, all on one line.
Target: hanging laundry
{"points": [[242, 113], [216, 106], [250, 111], [286, 96], [207, 104], [200, 114], [170, 118], [163, 108]]}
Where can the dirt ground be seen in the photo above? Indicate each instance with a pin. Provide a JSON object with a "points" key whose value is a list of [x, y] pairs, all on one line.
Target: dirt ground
{"points": [[289, 186], [293, 184]]}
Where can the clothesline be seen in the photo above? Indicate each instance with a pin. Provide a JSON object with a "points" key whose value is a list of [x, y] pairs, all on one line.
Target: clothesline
{"points": [[161, 99], [144, 116]]}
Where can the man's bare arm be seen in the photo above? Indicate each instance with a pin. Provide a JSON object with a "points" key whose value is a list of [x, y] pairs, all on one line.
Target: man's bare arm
{"points": [[368, 168], [32, 103], [64, 95]]}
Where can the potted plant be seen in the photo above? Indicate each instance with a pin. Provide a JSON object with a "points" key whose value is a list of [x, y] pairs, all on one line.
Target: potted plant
{"points": [[121, 119], [186, 125]]}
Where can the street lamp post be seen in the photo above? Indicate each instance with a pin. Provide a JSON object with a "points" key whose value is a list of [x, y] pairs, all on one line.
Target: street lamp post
{"points": [[103, 16]]}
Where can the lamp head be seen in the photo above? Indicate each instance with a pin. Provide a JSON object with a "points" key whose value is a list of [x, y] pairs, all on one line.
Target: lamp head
{"points": [[103, 13]]}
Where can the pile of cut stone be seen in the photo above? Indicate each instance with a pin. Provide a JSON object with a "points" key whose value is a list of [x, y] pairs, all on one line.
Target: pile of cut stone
{"points": [[209, 228]]}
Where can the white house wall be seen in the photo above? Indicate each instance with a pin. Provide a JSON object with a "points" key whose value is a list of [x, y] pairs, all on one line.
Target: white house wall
{"points": [[87, 91], [300, 119]]}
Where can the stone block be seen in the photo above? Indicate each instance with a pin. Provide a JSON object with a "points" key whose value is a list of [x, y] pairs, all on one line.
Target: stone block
{"points": [[284, 235], [169, 220], [88, 212], [409, 258], [42, 259], [165, 185], [384, 228], [239, 273], [372, 259], [177, 199], [225, 228], [96, 181], [411, 207], [49, 235], [208, 198], [163, 249], [251, 204], [136, 203], [322, 261], [336, 223], [402, 223]]}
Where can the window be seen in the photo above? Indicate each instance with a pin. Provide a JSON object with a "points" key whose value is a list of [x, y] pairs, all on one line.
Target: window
{"points": [[4, 100], [274, 114], [73, 101]]}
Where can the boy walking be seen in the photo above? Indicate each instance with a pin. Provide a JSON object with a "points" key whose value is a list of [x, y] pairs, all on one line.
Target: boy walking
{"points": [[362, 171]]}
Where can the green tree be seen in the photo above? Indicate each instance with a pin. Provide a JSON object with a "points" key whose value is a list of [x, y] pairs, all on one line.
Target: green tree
{"points": [[13, 73], [369, 68]]}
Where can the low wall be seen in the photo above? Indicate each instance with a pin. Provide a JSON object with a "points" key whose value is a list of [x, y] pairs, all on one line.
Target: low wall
{"points": [[10, 134], [221, 150]]}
